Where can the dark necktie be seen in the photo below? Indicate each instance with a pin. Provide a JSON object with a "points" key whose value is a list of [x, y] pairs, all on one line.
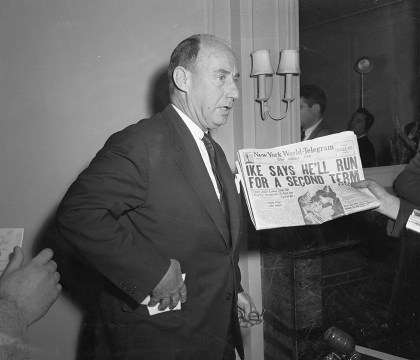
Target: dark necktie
{"points": [[302, 134], [207, 140]]}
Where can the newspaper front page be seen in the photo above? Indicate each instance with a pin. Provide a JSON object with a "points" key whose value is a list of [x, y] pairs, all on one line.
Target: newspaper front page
{"points": [[305, 183]]}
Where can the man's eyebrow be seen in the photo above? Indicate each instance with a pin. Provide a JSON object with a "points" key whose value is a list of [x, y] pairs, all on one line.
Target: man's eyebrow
{"points": [[226, 72]]}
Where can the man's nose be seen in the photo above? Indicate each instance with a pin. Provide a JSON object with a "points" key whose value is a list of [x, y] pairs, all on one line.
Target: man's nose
{"points": [[233, 91]]}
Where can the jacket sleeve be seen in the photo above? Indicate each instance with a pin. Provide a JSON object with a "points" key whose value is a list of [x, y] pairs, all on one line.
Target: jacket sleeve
{"points": [[397, 228], [115, 182], [407, 187], [407, 184], [13, 333]]}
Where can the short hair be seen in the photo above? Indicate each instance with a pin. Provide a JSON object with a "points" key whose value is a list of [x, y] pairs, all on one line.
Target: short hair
{"points": [[186, 52], [369, 118], [313, 94], [324, 193]]}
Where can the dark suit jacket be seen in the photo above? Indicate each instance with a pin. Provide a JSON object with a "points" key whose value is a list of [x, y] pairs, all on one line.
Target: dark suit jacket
{"points": [[407, 187], [321, 130], [367, 151], [146, 198]]}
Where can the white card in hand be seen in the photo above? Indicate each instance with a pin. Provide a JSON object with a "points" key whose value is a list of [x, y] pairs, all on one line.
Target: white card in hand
{"points": [[153, 310], [413, 222]]}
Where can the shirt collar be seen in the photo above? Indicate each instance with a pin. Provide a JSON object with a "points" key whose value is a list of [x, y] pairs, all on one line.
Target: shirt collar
{"points": [[312, 128], [196, 132]]}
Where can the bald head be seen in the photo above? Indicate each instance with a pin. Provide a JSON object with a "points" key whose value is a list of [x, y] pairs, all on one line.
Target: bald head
{"points": [[187, 53], [203, 80]]}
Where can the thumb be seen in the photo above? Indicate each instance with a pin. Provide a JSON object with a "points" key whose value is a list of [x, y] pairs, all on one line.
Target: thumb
{"points": [[361, 184], [15, 262]]}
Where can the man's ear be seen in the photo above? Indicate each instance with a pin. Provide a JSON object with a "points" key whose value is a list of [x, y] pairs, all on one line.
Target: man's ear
{"points": [[181, 77], [316, 108]]}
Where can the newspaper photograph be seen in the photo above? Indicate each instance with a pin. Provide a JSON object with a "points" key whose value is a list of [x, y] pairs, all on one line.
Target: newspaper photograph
{"points": [[305, 183]]}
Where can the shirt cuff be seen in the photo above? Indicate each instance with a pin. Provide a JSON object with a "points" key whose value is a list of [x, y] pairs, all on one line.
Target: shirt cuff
{"points": [[397, 227]]}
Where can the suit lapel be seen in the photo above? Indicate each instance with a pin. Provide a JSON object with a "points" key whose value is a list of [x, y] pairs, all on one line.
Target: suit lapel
{"points": [[192, 167], [230, 193], [316, 130]]}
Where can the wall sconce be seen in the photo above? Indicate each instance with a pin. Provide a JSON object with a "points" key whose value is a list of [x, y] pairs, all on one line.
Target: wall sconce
{"points": [[263, 71], [363, 66]]}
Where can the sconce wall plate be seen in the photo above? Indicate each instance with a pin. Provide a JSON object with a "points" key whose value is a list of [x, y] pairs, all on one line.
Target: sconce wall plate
{"points": [[261, 69], [363, 65]]}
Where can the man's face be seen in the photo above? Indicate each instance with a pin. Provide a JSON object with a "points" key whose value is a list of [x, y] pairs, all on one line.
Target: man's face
{"points": [[358, 124], [327, 212], [326, 200], [308, 115], [213, 87], [316, 206]]}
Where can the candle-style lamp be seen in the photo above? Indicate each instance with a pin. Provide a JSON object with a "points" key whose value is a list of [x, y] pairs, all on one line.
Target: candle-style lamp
{"points": [[263, 71]]}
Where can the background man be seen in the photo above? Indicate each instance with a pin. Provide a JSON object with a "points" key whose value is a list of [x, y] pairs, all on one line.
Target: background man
{"points": [[312, 107], [313, 103], [360, 123], [159, 200]]}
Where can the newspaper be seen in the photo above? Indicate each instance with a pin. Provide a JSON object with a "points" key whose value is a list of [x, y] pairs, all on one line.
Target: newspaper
{"points": [[304, 183]]}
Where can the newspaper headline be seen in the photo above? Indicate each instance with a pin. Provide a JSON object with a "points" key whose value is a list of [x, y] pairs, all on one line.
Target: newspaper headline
{"points": [[303, 183]]}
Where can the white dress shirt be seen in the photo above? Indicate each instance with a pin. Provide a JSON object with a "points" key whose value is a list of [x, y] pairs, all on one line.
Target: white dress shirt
{"points": [[310, 130], [198, 134]]}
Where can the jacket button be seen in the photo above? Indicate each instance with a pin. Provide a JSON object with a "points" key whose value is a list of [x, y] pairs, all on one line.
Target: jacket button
{"points": [[229, 296]]}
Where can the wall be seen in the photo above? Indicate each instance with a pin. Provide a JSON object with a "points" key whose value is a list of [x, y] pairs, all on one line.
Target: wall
{"points": [[389, 36], [74, 71]]}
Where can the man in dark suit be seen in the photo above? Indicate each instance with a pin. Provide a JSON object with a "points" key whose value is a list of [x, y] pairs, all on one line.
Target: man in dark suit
{"points": [[313, 103], [150, 207], [360, 123]]}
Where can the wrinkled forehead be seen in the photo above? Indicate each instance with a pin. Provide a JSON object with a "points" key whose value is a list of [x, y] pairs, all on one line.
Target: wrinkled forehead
{"points": [[217, 51]]}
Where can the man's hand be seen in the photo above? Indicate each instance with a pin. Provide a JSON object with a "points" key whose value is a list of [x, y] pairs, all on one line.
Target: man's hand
{"points": [[32, 287], [245, 306], [171, 289], [389, 204]]}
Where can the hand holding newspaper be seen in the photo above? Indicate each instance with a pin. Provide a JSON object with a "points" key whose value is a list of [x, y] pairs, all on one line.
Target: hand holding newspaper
{"points": [[303, 183]]}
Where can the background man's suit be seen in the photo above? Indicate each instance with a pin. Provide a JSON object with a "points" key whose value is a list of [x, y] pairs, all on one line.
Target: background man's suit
{"points": [[321, 130], [367, 151], [151, 199]]}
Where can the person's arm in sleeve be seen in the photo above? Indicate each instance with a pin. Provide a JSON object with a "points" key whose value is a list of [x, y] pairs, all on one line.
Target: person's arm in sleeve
{"points": [[115, 183], [396, 209], [396, 227], [13, 332], [407, 183], [26, 293]]}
